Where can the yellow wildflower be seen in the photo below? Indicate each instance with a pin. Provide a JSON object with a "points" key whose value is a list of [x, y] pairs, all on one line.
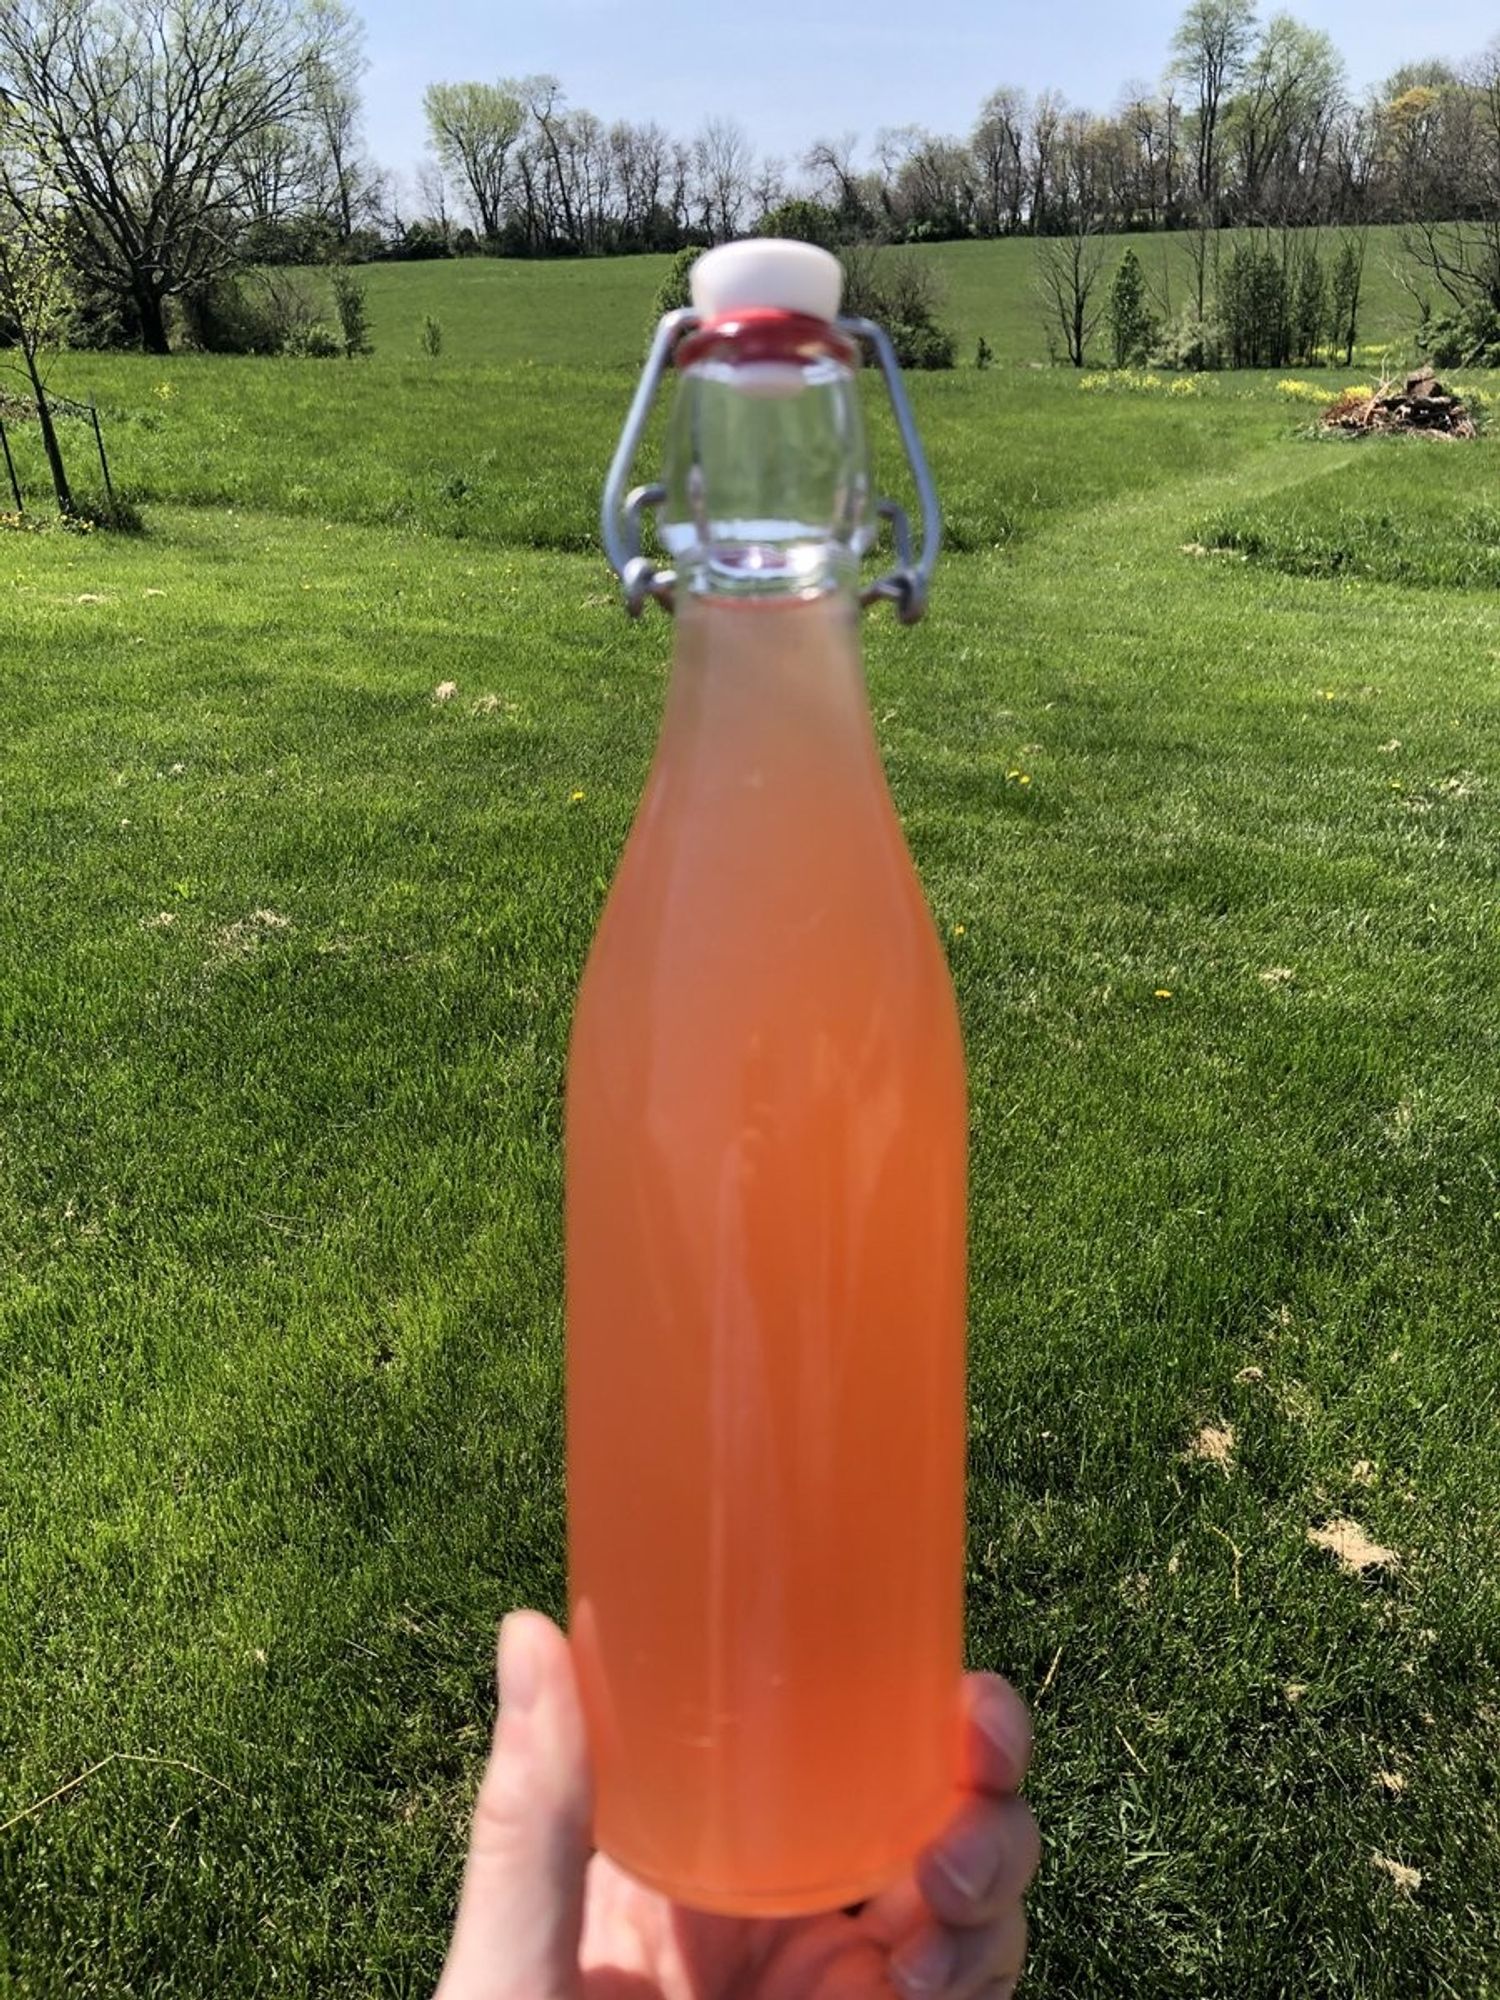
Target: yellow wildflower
{"points": [[575, 798], [1162, 993]]}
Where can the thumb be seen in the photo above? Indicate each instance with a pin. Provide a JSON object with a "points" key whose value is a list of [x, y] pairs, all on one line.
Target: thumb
{"points": [[520, 1913]]}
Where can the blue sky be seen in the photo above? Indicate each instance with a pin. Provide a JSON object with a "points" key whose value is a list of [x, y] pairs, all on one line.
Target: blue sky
{"points": [[812, 66]]}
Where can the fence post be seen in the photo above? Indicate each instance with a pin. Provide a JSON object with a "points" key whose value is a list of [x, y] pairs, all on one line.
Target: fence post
{"points": [[103, 461], [10, 466]]}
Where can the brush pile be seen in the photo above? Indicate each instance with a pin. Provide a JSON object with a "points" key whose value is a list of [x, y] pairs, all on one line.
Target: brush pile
{"points": [[1423, 405]]}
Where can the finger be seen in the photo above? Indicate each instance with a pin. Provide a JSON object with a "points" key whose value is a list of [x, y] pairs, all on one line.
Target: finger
{"points": [[520, 1913], [997, 1735], [939, 1964], [982, 1862], [894, 1913]]}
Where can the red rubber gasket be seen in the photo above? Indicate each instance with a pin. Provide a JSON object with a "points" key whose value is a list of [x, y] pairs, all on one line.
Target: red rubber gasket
{"points": [[766, 333]]}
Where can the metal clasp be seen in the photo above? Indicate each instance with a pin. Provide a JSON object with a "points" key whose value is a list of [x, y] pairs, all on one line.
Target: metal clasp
{"points": [[906, 585]]}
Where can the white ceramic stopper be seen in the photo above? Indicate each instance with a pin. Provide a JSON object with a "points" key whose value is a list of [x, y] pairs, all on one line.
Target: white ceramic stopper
{"points": [[767, 271]]}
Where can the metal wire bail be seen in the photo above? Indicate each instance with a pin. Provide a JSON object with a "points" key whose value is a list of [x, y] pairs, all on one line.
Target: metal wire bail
{"points": [[905, 586]]}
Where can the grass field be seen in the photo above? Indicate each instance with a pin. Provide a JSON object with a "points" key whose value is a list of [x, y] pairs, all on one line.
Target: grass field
{"points": [[593, 314], [287, 952]]}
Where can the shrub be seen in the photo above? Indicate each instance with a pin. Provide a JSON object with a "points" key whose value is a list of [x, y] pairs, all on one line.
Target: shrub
{"points": [[1254, 307], [1190, 343], [274, 313], [675, 290], [1466, 339], [430, 336], [224, 316], [804, 221], [351, 304], [315, 342], [420, 240], [1132, 323], [902, 293]]}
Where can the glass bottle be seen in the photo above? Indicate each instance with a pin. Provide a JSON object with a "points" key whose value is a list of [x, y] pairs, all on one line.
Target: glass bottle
{"points": [[765, 1183]]}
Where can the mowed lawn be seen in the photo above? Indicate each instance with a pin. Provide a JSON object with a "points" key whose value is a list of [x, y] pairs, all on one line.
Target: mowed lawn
{"points": [[287, 950]]}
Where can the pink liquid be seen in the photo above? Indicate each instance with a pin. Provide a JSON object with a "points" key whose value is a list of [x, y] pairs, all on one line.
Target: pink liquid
{"points": [[766, 1142]]}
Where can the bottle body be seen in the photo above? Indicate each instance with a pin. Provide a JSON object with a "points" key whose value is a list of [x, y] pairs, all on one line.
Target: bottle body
{"points": [[765, 1161]]}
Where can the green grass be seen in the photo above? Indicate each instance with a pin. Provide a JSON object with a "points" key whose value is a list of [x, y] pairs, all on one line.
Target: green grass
{"points": [[1423, 521], [590, 314], [287, 952]]}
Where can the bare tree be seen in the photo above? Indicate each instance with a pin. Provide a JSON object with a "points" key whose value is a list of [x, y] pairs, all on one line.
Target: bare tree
{"points": [[840, 184], [278, 171], [723, 162], [640, 154], [768, 187], [334, 113], [34, 308], [473, 129], [1462, 257], [1046, 116], [997, 147], [544, 100], [1067, 275], [137, 117], [432, 195]]}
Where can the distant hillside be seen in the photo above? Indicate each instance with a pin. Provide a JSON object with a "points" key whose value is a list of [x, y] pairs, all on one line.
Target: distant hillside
{"points": [[596, 309]]}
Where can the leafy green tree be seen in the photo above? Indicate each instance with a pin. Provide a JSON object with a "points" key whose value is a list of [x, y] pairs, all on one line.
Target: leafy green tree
{"points": [[474, 128], [1344, 291], [803, 220], [1132, 323], [1209, 52], [1309, 306]]}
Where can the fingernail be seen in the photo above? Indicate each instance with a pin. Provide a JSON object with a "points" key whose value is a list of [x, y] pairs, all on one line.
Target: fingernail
{"points": [[924, 1964], [520, 1669], [968, 1864], [997, 1723]]}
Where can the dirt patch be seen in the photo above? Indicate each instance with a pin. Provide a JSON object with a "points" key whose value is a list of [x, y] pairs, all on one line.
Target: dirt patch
{"points": [[1214, 1445], [1407, 1880], [1423, 405], [1347, 1541], [246, 934]]}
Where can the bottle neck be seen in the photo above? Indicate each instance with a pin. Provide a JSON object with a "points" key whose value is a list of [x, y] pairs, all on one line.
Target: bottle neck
{"points": [[767, 477]]}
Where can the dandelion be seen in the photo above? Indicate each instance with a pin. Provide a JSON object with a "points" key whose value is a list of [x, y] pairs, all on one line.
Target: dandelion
{"points": [[1023, 779], [164, 392], [1162, 993], [1183, 385], [960, 930], [576, 798]]}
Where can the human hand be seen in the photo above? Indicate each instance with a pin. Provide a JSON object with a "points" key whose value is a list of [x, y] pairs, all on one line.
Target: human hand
{"points": [[541, 1918]]}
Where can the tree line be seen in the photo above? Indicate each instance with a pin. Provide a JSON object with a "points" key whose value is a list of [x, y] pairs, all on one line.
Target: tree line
{"points": [[1251, 123], [154, 147]]}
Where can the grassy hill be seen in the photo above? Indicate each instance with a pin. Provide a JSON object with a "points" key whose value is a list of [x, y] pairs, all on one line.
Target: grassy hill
{"points": [[308, 798], [495, 311]]}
